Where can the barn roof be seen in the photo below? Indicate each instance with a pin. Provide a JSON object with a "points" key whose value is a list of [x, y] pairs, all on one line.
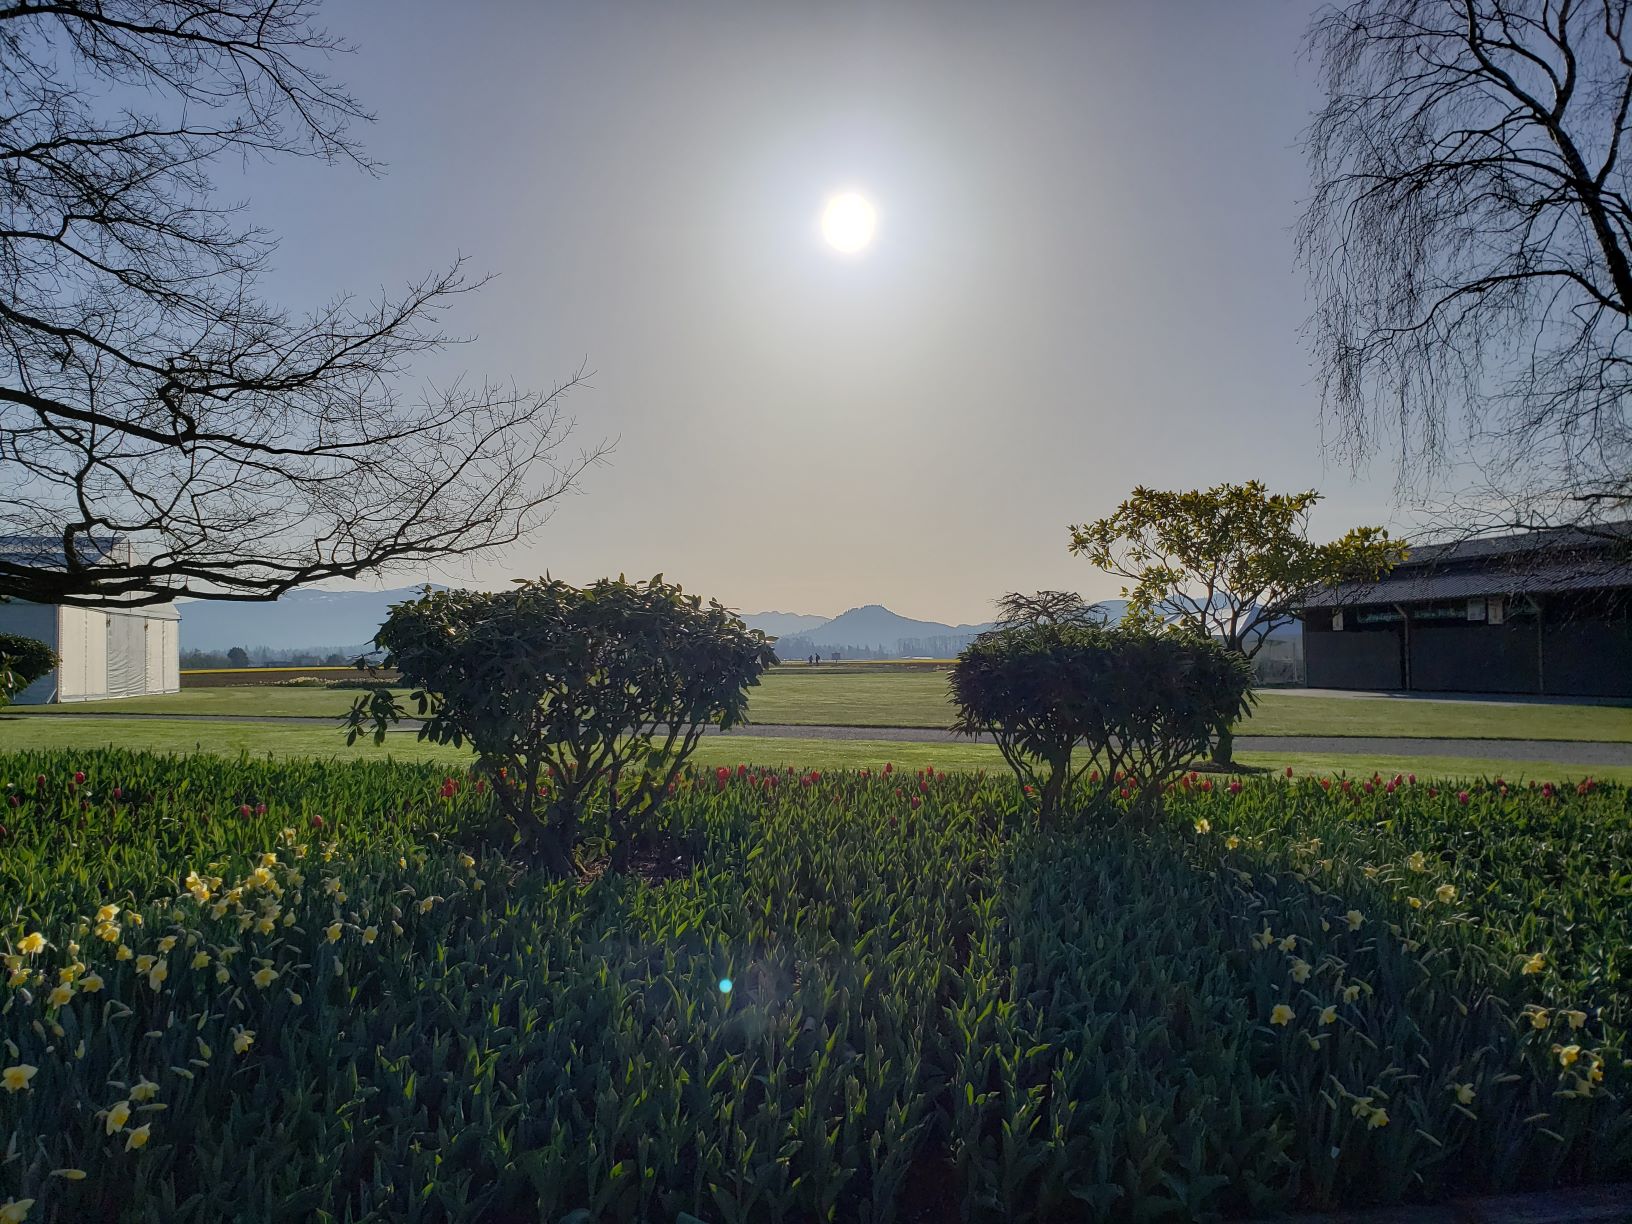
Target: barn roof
{"points": [[1531, 563]]}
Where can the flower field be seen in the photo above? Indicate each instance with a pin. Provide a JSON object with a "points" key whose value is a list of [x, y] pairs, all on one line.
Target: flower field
{"points": [[295, 991]]}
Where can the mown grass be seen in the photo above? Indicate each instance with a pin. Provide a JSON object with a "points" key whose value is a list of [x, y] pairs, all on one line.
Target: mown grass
{"points": [[882, 997], [918, 698], [227, 738]]}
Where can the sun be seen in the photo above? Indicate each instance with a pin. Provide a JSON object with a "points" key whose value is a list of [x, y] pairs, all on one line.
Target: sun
{"points": [[848, 222]]}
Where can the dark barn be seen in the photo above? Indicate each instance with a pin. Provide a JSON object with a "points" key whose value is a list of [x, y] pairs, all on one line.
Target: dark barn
{"points": [[1547, 612]]}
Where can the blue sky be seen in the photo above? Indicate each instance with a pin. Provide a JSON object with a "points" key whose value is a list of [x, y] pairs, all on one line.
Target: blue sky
{"points": [[1083, 277]]}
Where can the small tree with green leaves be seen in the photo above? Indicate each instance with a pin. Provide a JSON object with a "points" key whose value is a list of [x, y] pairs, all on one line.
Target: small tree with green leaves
{"points": [[569, 695], [1233, 562], [23, 660], [1059, 696]]}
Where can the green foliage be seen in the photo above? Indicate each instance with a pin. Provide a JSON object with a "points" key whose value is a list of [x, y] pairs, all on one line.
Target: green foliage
{"points": [[936, 1011], [1231, 562], [1144, 704], [23, 660], [568, 692]]}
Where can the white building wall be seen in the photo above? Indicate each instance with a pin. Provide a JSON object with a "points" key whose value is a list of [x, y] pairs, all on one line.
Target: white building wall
{"points": [[83, 637]]}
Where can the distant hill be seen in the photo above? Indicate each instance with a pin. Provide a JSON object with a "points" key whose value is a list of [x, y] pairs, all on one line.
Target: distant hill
{"points": [[331, 620], [782, 624], [875, 625]]}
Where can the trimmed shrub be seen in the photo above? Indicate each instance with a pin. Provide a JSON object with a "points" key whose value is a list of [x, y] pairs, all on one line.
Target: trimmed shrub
{"points": [[1141, 704]]}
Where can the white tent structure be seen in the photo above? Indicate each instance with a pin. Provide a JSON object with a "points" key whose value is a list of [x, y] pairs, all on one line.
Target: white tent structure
{"points": [[111, 651], [104, 652]]}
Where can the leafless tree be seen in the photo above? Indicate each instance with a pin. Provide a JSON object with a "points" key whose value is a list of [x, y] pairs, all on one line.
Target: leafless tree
{"points": [[1469, 243], [163, 429]]}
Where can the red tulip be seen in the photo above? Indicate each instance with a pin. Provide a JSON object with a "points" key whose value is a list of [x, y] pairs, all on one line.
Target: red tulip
{"points": [[79, 775], [243, 809], [39, 780], [317, 822], [916, 801], [1462, 797], [118, 792], [1235, 787], [1289, 771]]}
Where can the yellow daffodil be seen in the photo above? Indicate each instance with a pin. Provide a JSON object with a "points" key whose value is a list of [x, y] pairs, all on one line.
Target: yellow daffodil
{"points": [[1576, 1018], [167, 943], [221, 975], [91, 983], [1567, 1054], [12, 961], [1371, 873], [333, 932], [1232, 842], [1289, 944], [1539, 1019], [1377, 1118], [265, 926], [1328, 1015], [144, 962], [259, 878], [1282, 1014], [117, 1117], [1264, 938], [269, 859], [218, 910], [1300, 970], [107, 913], [1202, 826], [294, 997], [1535, 964], [19, 977], [370, 934], [1464, 1094], [143, 1089], [265, 977], [123, 953], [134, 918], [1445, 893], [1417, 861], [15, 1211], [31, 944], [107, 932], [60, 995], [201, 960], [1416, 902], [157, 975], [425, 905], [242, 1040], [138, 1138], [15, 1079], [69, 972], [289, 918], [331, 885], [1351, 993], [1354, 918]]}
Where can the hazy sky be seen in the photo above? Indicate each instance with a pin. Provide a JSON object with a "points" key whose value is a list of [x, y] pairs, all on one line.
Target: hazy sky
{"points": [[1083, 277]]}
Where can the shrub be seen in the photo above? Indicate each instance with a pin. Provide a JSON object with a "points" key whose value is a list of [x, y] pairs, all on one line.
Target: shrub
{"points": [[1141, 703], [566, 692], [23, 660]]}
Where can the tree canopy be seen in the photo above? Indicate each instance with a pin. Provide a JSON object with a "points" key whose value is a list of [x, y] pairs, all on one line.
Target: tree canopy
{"points": [[164, 429]]}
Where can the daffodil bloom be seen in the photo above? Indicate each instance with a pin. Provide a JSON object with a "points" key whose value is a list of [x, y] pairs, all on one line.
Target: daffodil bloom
{"points": [[201, 960], [15, 1211], [1232, 842], [167, 943], [1417, 861], [1535, 964], [1351, 993], [15, 1079], [117, 1117], [1377, 1118], [107, 913], [1328, 1015], [134, 919], [467, 862], [265, 977], [144, 962], [289, 918], [1568, 1054], [1445, 893], [108, 932], [1539, 1018], [1370, 872], [242, 1040], [69, 972], [1361, 1107], [1202, 826], [269, 859], [259, 878], [1416, 902], [1354, 918], [1464, 1094], [11, 961], [265, 926], [91, 983], [124, 953], [331, 885], [69, 1174], [143, 1089], [294, 997], [1264, 938], [333, 933], [156, 977], [425, 905], [370, 934], [19, 977], [60, 995], [138, 1137], [221, 975], [1282, 1014], [1300, 970], [1289, 944], [31, 944], [1576, 1018]]}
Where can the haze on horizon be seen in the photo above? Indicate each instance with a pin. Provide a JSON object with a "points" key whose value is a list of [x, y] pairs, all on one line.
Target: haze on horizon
{"points": [[1082, 277]]}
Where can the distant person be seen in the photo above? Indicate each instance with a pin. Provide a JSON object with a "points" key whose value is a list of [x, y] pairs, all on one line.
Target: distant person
{"points": [[818, 660]]}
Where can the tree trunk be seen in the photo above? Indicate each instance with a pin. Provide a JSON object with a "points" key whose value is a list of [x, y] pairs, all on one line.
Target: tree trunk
{"points": [[1224, 746]]}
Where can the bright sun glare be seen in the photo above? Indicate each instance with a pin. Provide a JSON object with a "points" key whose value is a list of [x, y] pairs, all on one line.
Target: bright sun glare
{"points": [[848, 222]]}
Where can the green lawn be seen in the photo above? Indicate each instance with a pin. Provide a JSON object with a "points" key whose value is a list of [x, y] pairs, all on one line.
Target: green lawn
{"points": [[303, 740], [918, 699]]}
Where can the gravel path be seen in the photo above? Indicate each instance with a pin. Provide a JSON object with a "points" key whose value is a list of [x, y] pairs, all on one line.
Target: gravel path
{"points": [[1563, 752]]}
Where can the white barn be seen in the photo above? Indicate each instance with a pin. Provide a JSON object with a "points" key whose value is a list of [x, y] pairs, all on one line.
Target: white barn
{"points": [[104, 652], [112, 651]]}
